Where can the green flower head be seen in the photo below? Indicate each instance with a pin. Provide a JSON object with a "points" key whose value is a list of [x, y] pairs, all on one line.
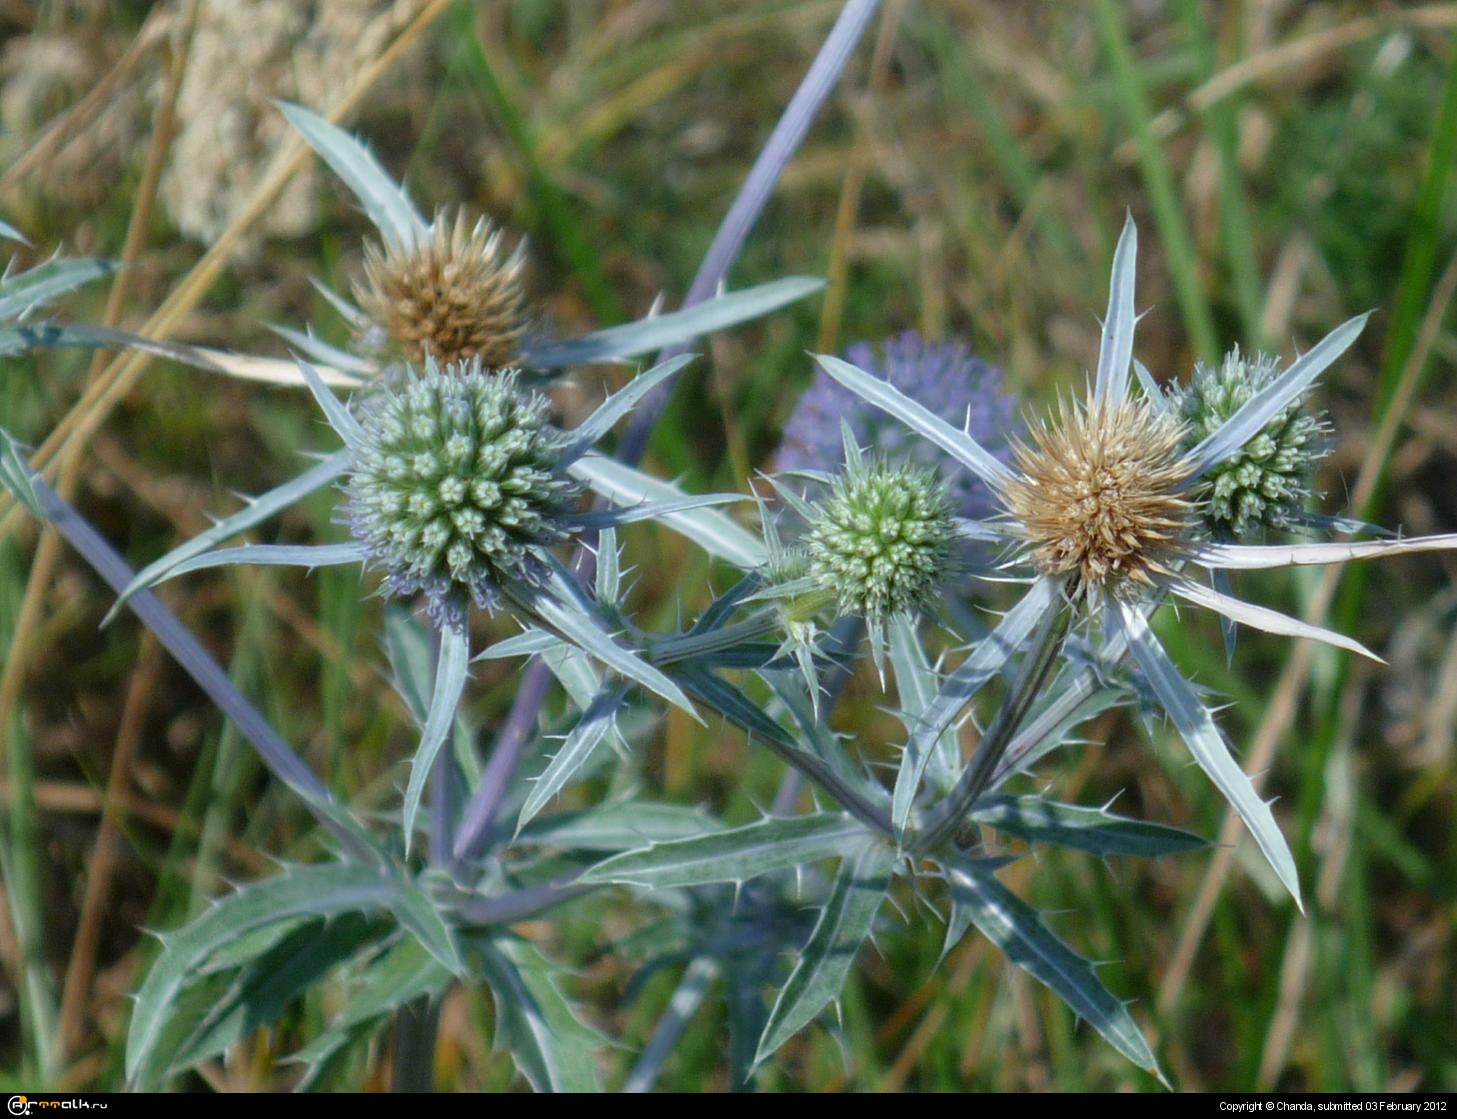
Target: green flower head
{"points": [[1267, 482], [456, 482], [882, 540]]}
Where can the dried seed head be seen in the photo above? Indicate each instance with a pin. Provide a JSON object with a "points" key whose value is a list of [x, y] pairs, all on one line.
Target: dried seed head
{"points": [[455, 482], [1098, 494], [454, 295], [882, 540], [1267, 481]]}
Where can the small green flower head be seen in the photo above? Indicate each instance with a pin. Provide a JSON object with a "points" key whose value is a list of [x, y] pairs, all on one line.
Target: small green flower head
{"points": [[882, 539], [1268, 481], [455, 484]]}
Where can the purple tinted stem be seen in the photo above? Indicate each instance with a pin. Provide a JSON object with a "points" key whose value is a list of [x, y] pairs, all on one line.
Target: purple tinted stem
{"points": [[515, 736], [728, 242], [277, 755]]}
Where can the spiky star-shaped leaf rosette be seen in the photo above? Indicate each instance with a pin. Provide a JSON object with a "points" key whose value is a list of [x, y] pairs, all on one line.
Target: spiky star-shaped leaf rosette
{"points": [[458, 488]]}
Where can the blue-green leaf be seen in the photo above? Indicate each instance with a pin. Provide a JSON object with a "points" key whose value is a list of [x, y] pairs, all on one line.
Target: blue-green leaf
{"points": [[733, 855], [385, 202], [697, 977], [675, 328], [527, 643], [450, 676], [401, 974], [619, 404], [22, 292], [845, 922], [1094, 830], [1115, 353], [551, 1046], [415, 912], [586, 632], [714, 532], [1252, 416], [732, 704], [258, 510], [1073, 698], [317, 891], [272, 555], [589, 733], [1017, 929], [985, 662], [616, 515], [917, 684], [955, 442], [316, 348], [410, 645], [262, 989], [620, 826], [609, 568], [338, 415], [1202, 735], [15, 475]]}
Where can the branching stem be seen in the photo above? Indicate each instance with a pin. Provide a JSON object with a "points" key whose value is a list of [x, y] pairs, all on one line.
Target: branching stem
{"points": [[946, 817]]}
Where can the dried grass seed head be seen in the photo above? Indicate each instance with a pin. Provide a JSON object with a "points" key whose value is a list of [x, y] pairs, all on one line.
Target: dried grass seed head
{"points": [[454, 295], [1098, 493]]}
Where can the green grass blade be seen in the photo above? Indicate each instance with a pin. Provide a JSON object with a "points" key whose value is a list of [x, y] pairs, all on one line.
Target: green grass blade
{"points": [[1159, 181]]}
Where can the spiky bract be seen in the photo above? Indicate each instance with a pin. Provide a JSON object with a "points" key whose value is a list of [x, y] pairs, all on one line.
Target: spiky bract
{"points": [[944, 376], [454, 295], [1267, 481], [881, 540], [456, 483], [1098, 493]]}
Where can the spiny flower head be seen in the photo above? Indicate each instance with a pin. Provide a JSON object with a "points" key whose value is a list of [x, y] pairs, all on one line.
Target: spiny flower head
{"points": [[453, 294], [881, 540], [958, 387], [1097, 493], [1267, 481], [455, 482]]}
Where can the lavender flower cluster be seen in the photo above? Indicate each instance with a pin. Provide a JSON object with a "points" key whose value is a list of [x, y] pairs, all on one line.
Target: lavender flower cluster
{"points": [[945, 376]]}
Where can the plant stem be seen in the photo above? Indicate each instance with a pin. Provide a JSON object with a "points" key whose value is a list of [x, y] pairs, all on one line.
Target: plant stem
{"points": [[416, 1025], [946, 817], [517, 733], [276, 754]]}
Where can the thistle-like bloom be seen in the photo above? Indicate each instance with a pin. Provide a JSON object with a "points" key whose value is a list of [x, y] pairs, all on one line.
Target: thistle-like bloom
{"points": [[453, 294], [1099, 504], [1097, 494], [455, 482], [1266, 483], [958, 387], [881, 541]]}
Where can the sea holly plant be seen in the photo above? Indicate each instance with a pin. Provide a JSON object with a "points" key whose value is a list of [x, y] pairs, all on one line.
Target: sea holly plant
{"points": [[463, 496], [907, 489], [447, 290]]}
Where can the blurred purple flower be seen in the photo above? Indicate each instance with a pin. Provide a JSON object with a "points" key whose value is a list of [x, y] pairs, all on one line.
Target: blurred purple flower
{"points": [[942, 376]]}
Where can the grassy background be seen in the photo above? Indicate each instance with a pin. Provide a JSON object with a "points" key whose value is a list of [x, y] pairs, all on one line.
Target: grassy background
{"points": [[1289, 166]]}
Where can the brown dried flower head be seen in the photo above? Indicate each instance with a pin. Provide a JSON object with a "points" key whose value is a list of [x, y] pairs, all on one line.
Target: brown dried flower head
{"points": [[1097, 494], [455, 294]]}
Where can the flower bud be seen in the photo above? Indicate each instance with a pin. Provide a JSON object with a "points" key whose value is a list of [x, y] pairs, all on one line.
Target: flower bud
{"points": [[882, 539], [456, 483], [1268, 480]]}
